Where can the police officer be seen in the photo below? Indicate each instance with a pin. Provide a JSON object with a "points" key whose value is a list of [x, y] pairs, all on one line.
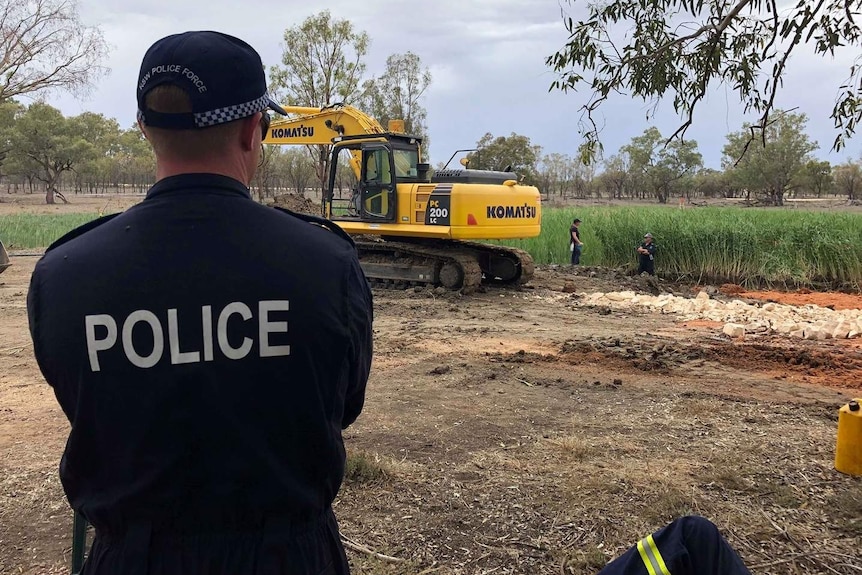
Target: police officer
{"points": [[690, 545], [207, 350], [646, 255]]}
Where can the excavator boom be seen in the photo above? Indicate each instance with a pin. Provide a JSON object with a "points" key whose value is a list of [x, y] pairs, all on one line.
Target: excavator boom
{"points": [[310, 126], [320, 126]]}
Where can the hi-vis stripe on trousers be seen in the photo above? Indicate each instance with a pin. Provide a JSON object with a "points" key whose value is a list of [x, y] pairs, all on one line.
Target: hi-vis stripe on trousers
{"points": [[689, 546], [651, 557]]}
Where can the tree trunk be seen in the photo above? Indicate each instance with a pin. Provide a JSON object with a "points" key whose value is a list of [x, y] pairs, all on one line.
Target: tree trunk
{"points": [[51, 190]]}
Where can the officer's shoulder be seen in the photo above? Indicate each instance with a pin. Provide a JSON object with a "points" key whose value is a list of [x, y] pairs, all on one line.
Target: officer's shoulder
{"points": [[81, 230], [320, 222]]}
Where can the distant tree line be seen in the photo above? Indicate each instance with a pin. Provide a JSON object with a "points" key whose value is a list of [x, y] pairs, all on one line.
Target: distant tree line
{"points": [[765, 170], [42, 151], [47, 47]]}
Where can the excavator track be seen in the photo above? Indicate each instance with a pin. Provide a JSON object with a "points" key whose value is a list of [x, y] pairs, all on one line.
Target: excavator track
{"points": [[455, 265], [502, 264]]}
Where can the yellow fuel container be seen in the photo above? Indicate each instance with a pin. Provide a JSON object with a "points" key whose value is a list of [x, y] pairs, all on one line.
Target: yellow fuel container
{"points": [[848, 448]]}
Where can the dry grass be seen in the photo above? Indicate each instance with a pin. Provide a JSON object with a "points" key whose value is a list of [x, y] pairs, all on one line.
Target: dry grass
{"points": [[568, 501], [362, 467], [847, 501], [473, 471], [573, 448], [583, 562]]}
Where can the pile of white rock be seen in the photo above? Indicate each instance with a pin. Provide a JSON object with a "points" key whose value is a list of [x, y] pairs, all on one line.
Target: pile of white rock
{"points": [[739, 317]]}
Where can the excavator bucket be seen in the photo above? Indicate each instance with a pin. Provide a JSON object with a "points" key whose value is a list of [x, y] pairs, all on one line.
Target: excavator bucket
{"points": [[4, 259]]}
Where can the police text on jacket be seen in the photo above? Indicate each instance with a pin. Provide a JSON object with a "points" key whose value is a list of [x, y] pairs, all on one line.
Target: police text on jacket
{"points": [[102, 334]]}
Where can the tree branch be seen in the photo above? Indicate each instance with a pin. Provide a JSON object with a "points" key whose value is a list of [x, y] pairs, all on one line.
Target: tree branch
{"points": [[778, 70], [718, 29]]}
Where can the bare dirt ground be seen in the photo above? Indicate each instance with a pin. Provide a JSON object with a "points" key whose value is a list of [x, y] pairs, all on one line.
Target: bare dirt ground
{"points": [[516, 431], [78, 203]]}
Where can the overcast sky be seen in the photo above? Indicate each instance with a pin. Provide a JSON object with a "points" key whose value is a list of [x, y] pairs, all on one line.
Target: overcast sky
{"points": [[487, 59]]}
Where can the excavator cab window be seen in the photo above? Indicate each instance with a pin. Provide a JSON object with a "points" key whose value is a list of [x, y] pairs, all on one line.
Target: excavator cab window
{"points": [[377, 185], [406, 163], [377, 166]]}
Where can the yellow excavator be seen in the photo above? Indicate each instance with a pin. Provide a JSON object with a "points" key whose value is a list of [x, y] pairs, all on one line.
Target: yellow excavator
{"points": [[412, 227]]}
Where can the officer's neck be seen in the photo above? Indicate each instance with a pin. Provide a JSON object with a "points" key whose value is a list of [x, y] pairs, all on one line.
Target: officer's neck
{"points": [[231, 167]]}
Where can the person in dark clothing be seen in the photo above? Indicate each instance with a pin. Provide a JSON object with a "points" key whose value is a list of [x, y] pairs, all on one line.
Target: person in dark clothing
{"points": [[208, 351], [576, 246], [690, 545], [646, 255]]}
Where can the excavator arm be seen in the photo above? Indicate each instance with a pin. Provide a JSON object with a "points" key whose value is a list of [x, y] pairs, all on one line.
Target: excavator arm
{"points": [[320, 126], [310, 126]]}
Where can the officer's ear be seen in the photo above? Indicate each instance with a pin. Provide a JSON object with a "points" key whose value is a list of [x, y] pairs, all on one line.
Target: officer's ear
{"points": [[143, 129], [250, 132]]}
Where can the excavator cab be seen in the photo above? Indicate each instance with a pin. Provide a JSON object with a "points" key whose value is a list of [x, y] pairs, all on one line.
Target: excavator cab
{"points": [[381, 166]]}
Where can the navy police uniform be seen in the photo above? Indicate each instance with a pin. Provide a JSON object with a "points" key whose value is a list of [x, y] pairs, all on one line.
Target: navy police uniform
{"points": [[646, 262], [690, 545], [208, 352]]}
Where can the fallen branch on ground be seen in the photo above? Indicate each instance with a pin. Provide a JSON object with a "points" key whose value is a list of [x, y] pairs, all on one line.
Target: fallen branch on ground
{"points": [[16, 350], [363, 549]]}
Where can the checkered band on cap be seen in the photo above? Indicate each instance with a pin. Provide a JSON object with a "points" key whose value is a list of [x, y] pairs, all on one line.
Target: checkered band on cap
{"points": [[231, 113]]}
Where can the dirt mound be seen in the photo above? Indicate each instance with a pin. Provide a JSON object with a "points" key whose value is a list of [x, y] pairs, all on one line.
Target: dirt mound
{"points": [[822, 367], [831, 300], [731, 289], [571, 279], [295, 203], [659, 357]]}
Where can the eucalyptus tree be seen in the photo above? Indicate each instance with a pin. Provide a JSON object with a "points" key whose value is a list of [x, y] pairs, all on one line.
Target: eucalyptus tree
{"points": [[679, 49]]}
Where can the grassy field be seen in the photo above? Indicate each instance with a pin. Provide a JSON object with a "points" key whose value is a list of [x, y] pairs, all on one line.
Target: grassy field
{"points": [[24, 231], [745, 246]]}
